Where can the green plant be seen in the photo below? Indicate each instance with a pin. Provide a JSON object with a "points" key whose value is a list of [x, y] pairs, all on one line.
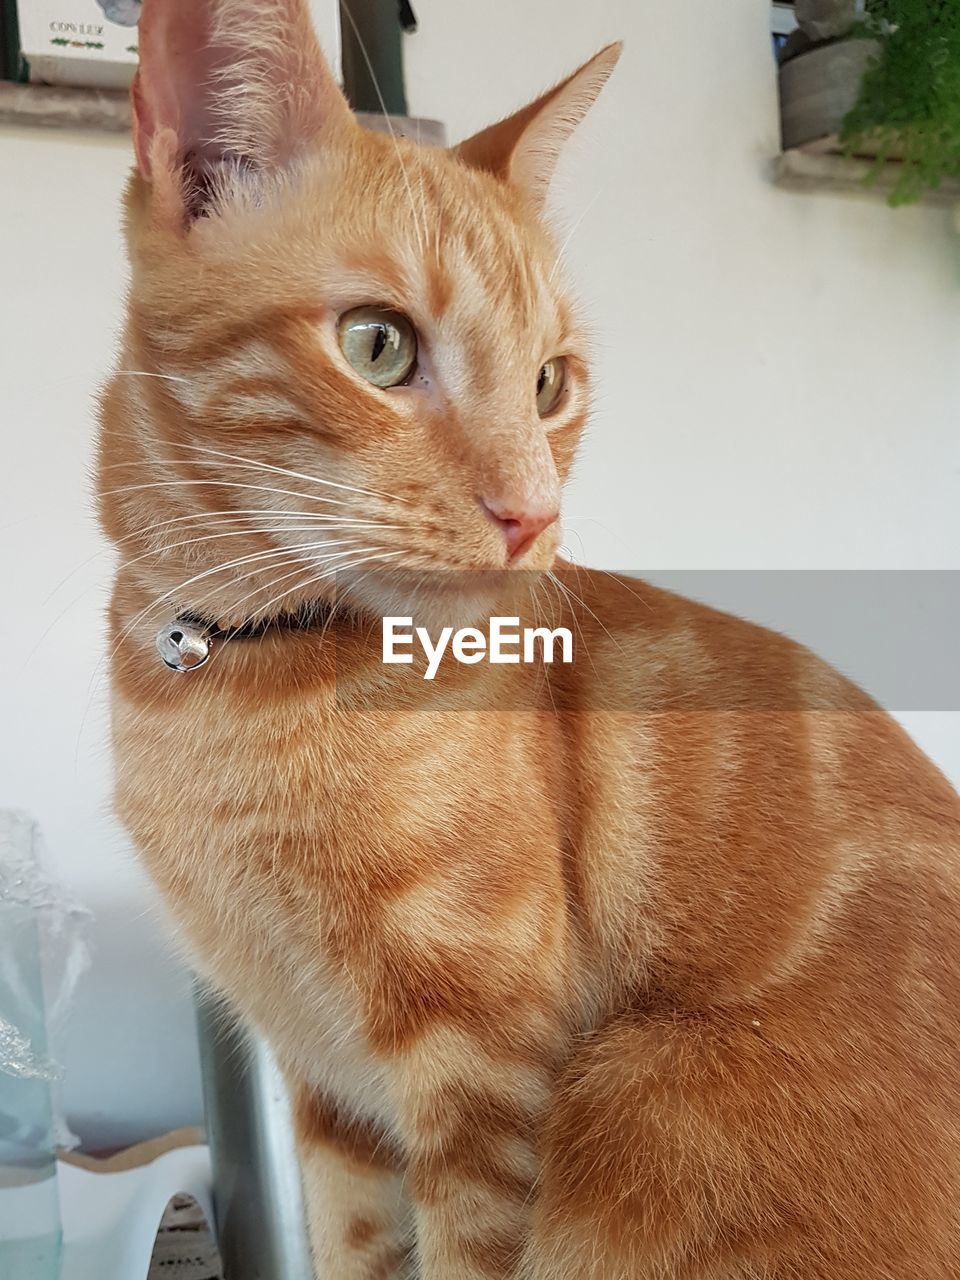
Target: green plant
{"points": [[909, 103]]}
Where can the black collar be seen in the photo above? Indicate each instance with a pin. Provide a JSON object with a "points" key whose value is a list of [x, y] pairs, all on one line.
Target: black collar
{"points": [[310, 615]]}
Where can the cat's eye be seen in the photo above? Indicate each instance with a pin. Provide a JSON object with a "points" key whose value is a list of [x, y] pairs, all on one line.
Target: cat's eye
{"points": [[380, 344], [550, 383]]}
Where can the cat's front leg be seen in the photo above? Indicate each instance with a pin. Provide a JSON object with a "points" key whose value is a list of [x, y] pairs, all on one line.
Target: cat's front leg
{"points": [[361, 1225], [470, 1113]]}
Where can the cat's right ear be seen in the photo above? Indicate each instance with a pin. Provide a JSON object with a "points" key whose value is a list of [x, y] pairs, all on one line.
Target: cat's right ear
{"points": [[523, 149], [228, 82]]}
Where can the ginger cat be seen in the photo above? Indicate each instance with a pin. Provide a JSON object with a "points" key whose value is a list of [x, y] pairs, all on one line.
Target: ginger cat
{"points": [[646, 968]]}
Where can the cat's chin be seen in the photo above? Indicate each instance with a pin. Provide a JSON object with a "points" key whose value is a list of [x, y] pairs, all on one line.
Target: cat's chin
{"points": [[436, 599]]}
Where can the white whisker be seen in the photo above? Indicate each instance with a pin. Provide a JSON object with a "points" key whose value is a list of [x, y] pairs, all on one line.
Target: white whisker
{"points": [[142, 373], [285, 471], [223, 484], [108, 657], [571, 233], [252, 558], [257, 558], [339, 555], [246, 533], [218, 519], [573, 596], [378, 555], [320, 518], [421, 231]]}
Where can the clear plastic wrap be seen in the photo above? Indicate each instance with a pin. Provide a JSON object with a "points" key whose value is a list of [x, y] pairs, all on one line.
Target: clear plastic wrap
{"points": [[43, 951]]}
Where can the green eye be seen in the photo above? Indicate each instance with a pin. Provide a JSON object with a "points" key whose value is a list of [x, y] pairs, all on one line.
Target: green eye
{"points": [[550, 383], [381, 345]]}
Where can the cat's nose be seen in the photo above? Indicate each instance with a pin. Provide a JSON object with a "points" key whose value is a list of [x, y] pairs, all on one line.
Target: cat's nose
{"points": [[520, 524]]}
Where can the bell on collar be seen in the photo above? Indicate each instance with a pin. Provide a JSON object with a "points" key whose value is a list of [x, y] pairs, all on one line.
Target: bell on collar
{"points": [[182, 646]]}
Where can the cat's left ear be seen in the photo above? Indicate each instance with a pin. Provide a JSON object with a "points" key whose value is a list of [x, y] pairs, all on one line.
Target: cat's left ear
{"points": [[524, 148], [228, 82]]}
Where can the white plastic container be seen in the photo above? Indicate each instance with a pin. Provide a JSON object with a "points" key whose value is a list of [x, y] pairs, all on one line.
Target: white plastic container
{"points": [[91, 43]]}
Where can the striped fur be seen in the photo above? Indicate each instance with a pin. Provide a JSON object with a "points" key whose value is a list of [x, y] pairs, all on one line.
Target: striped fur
{"points": [[648, 967]]}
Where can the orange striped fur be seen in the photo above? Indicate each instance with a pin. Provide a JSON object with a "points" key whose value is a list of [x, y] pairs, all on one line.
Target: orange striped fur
{"points": [[562, 987]]}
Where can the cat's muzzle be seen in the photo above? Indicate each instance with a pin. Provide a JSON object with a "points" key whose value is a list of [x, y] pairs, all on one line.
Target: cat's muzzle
{"points": [[183, 646]]}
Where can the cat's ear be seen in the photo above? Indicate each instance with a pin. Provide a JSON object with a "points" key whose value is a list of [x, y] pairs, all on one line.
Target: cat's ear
{"points": [[524, 148], [241, 82]]}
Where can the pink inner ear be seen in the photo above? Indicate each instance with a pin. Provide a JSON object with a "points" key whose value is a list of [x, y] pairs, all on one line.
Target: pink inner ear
{"points": [[238, 78], [172, 87]]}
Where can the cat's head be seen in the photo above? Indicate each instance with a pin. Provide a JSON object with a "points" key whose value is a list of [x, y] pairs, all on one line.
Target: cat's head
{"points": [[346, 353]]}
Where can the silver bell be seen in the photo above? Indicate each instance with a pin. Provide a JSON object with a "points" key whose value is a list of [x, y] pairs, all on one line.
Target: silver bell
{"points": [[182, 647]]}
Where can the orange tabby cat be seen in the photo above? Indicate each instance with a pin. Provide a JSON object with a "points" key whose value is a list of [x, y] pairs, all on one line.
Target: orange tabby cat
{"points": [[645, 966]]}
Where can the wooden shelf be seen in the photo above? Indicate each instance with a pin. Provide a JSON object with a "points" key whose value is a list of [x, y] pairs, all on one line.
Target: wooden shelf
{"points": [[52, 107], [821, 166], [108, 110]]}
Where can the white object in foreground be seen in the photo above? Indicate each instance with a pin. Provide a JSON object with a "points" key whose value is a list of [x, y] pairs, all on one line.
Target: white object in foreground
{"points": [[110, 1220]]}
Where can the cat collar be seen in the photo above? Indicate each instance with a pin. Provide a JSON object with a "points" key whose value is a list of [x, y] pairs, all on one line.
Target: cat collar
{"points": [[186, 643]]}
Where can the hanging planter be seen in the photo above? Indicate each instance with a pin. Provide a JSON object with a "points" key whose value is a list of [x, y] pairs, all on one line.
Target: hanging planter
{"points": [[908, 107], [822, 66], [876, 82]]}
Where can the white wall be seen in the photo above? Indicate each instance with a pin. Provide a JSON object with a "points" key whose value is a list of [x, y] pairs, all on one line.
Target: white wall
{"points": [[129, 1056], [778, 387]]}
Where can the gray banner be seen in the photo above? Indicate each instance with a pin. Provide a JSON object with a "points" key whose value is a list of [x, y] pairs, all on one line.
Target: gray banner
{"points": [[636, 644]]}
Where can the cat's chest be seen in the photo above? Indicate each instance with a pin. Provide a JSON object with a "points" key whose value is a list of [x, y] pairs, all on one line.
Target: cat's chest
{"points": [[284, 833], [267, 786], [246, 823]]}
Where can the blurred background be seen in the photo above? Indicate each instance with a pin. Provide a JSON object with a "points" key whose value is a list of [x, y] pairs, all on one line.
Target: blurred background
{"points": [[778, 387]]}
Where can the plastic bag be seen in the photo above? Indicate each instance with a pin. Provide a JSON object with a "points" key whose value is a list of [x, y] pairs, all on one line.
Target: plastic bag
{"points": [[44, 949]]}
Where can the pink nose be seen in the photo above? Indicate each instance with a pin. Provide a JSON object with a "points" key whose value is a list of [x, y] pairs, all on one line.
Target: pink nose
{"points": [[520, 526]]}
